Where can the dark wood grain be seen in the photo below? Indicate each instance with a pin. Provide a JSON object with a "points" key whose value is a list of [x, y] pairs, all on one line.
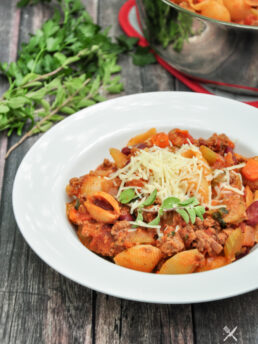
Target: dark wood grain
{"points": [[9, 31], [38, 305], [211, 318]]}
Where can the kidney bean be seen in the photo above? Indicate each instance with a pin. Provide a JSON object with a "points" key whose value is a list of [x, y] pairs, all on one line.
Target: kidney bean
{"points": [[126, 217], [252, 214], [142, 145], [228, 149], [126, 150]]}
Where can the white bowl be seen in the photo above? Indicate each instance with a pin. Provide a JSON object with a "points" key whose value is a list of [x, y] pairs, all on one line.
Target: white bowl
{"points": [[80, 143]]}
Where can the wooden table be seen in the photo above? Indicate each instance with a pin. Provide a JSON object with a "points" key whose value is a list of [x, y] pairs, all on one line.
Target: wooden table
{"points": [[38, 305]]}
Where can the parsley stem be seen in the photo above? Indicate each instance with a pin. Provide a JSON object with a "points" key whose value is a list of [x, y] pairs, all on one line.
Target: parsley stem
{"points": [[54, 72], [38, 124]]}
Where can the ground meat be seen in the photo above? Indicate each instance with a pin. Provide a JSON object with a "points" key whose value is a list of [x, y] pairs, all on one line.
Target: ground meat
{"points": [[106, 168], [206, 243], [207, 223], [188, 235], [171, 242], [120, 226], [97, 238], [74, 186], [222, 237], [125, 214], [218, 143], [125, 237], [148, 216]]}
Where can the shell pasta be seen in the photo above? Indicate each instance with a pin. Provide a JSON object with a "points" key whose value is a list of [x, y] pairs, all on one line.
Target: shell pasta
{"points": [[238, 11], [168, 204]]}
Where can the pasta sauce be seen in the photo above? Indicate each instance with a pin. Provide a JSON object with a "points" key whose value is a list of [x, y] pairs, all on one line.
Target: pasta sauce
{"points": [[168, 204]]}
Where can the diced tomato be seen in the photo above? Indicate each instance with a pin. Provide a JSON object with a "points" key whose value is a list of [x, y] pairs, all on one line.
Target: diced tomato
{"points": [[180, 137], [161, 140]]}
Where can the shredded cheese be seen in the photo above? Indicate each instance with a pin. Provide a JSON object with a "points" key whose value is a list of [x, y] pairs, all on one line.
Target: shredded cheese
{"points": [[169, 172], [173, 174]]}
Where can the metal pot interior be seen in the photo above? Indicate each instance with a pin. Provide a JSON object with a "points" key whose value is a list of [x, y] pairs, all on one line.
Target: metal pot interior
{"points": [[200, 47]]}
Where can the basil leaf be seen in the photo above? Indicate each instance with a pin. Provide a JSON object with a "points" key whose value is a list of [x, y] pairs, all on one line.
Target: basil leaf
{"points": [[169, 202], [150, 200], [190, 201], [155, 222], [183, 214], [192, 214], [127, 195]]}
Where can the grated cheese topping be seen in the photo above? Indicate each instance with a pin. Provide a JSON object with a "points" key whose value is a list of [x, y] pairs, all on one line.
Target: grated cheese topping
{"points": [[168, 172], [173, 174]]}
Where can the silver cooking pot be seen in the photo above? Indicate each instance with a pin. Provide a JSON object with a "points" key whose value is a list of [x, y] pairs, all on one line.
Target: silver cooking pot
{"points": [[209, 50]]}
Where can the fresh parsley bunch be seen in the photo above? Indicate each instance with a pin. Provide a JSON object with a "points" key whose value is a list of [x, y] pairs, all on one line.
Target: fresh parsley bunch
{"points": [[68, 64]]}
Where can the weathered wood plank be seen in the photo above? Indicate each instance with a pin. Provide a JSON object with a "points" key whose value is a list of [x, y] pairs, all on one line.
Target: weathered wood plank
{"points": [[120, 321], [211, 320], [9, 31], [21, 317]]}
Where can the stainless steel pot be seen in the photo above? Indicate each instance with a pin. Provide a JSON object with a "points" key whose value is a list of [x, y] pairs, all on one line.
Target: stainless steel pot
{"points": [[200, 47]]}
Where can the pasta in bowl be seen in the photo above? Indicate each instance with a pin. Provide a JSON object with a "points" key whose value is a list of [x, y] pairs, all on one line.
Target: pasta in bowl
{"points": [[243, 12], [168, 203]]}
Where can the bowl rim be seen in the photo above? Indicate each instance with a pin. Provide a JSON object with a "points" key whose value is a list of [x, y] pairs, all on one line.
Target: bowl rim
{"points": [[214, 21]]}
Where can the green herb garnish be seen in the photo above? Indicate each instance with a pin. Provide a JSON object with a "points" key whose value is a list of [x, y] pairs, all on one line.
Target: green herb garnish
{"points": [[155, 222], [183, 214], [139, 218], [77, 204], [151, 199], [127, 196], [218, 217], [170, 202], [188, 209]]}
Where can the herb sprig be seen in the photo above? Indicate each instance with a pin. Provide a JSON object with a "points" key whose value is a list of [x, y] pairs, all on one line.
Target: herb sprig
{"points": [[188, 209], [68, 64]]}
